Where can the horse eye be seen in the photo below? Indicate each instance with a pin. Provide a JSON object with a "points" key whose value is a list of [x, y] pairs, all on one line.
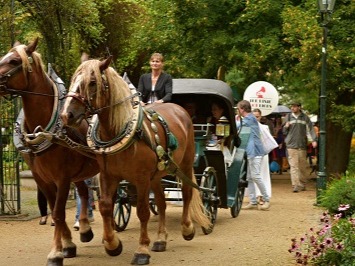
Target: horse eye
{"points": [[92, 83], [14, 61]]}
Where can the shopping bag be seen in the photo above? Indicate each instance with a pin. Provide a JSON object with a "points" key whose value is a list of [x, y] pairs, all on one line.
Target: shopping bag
{"points": [[267, 139]]}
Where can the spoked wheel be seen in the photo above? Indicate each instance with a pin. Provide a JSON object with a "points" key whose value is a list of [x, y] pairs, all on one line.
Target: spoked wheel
{"points": [[152, 206], [209, 196], [122, 210], [239, 194]]}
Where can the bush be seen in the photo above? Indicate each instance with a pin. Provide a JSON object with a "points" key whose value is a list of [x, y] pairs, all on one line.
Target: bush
{"points": [[351, 165], [339, 191], [333, 244]]}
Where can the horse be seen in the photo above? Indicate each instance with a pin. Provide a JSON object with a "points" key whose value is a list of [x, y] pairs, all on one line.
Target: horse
{"points": [[136, 144], [53, 166]]}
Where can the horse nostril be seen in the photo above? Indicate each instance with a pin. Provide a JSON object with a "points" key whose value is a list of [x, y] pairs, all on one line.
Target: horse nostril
{"points": [[70, 115]]}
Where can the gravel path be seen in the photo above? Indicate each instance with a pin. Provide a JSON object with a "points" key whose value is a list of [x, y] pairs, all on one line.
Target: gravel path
{"points": [[253, 238]]}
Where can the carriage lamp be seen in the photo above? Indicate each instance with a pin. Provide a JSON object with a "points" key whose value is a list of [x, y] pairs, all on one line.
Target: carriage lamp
{"points": [[326, 8], [223, 128]]}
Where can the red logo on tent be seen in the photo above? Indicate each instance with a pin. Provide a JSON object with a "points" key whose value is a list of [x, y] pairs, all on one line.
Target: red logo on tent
{"points": [[260, 93]]}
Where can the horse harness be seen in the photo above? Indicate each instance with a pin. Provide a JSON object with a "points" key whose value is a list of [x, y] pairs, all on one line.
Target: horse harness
{"points": [[136, 130], [34, 143]]}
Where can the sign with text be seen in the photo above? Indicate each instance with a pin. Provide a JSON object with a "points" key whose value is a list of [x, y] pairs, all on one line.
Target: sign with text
{"points": [[262, 95]]}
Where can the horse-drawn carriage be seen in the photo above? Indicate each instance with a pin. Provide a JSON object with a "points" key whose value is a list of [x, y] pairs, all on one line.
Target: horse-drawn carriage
{"points": [[220, 168], [128, 142]]}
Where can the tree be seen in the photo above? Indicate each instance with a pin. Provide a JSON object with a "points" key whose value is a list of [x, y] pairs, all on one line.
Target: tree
{"points": [[272, 40]]}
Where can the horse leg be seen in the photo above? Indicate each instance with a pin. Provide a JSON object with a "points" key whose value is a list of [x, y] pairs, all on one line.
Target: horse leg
{"points": [[86, 234], [112, 244], [187, 226], [141, 255], [159, 197], [193, 208], [61, 230]]}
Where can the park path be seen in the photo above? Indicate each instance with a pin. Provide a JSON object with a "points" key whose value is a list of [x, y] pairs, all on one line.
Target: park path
{"points": [[254, 238]]}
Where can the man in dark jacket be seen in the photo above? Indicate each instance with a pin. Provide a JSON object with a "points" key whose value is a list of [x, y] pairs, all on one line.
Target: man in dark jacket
{"points": [[296, 129]]}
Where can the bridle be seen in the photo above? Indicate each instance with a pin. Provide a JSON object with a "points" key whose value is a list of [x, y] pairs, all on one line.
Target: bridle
{"points": [[4, 78], [89, 109]]}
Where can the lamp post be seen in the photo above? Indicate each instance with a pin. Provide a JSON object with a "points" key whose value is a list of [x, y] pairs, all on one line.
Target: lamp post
{"points": [[326, 9]]}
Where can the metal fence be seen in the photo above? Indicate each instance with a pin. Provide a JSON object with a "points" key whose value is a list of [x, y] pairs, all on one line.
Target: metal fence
{"points": [[10, 201]]}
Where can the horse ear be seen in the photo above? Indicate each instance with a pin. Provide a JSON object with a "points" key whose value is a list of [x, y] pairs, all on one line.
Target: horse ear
{"points": [[105, 63], [17, 43], [32, 46], [84, 57]]}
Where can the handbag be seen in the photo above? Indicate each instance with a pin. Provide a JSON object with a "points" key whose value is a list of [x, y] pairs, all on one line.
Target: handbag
{"points": [[268, 141]]}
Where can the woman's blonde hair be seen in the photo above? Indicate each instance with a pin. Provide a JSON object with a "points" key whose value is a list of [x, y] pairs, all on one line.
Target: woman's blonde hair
{"points": [[159, 56]]}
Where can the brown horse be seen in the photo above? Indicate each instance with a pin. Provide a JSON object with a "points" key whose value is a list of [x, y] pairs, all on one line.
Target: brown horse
{"points": [[53, 166], [138, 145]]}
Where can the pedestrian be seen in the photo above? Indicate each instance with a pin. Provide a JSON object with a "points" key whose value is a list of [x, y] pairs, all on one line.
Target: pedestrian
{"points": [[155, 87], [265, 169], [295, 129], [280, 151], [91, 219], [255, 152], [43, 207]]}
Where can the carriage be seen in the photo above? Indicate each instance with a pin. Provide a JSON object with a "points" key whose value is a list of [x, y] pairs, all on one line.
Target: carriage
{"points": [[220, 169], [128, 143]]}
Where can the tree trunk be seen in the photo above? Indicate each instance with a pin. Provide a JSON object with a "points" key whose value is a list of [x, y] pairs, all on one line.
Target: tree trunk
{"points": [[338, 144]]}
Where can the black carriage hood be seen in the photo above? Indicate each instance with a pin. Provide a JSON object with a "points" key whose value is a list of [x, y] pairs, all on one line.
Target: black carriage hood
{"points": [[206, 90]]}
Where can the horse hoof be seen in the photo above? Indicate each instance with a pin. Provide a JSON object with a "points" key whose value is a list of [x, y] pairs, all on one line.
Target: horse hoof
{"points": [[55, 262], [69, 252], [140, 259], [115, 252], [159, 246], [190, 236], [86, 237]]}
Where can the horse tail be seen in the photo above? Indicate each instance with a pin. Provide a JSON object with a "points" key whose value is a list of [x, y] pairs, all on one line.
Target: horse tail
{"points": [[197, 208]]}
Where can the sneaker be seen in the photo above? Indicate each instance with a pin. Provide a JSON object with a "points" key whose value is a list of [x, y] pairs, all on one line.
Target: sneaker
{"points": [[295, 189], [265, 206], [250, 206], [301, 188], [76, 226], [260, 200]]}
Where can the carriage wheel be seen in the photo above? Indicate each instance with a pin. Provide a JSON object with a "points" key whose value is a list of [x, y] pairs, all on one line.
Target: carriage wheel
{"points": [[239, 195], [122, 210], [209, 196], [152, 206]]}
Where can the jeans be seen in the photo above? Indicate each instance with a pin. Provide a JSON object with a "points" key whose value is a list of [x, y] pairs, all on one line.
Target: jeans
{"points": [[78, 201], [254, 177]]}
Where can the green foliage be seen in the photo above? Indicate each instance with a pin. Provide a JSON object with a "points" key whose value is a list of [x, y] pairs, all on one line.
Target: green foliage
{"points": [[332, 244], [351, 167], [339, 191], [272, 40]]}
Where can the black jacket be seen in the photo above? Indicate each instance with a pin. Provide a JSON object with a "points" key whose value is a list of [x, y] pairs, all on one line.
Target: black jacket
{"points": [[163, 87]]}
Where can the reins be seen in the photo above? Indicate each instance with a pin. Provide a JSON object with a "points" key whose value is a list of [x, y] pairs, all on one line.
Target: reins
{"points": [[92, 110]]}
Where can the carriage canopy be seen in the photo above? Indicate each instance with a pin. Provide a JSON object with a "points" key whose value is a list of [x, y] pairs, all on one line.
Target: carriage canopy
{"points": [[204, 92]]}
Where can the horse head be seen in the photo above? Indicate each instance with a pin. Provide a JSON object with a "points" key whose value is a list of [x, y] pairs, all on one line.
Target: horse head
{"points": [[16, 68], [87, 91]]}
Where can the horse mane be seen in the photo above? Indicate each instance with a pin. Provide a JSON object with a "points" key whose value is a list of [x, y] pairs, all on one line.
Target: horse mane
{"points": [[26, 65], [117, 90]]}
